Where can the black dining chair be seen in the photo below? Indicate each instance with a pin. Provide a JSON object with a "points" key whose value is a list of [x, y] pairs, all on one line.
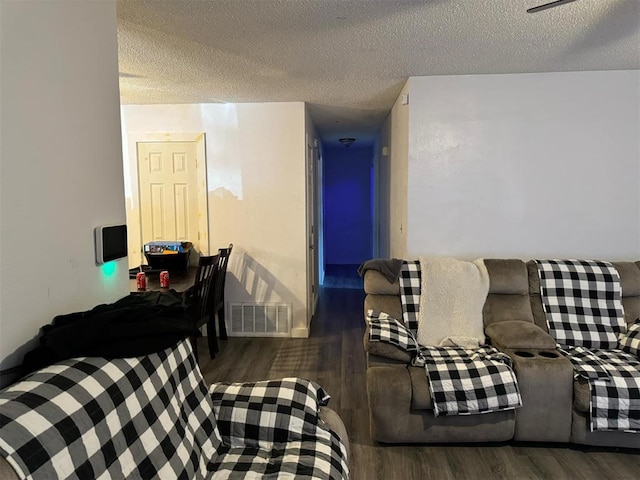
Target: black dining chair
{"points": [[200, 299], [218, 306]]}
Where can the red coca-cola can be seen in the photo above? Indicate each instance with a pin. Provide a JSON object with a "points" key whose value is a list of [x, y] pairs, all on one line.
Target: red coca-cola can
{"points": [[141, 281], [164, 279]]}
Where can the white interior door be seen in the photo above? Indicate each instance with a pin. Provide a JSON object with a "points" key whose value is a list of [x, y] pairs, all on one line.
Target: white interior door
{"points": [[168, 182]]}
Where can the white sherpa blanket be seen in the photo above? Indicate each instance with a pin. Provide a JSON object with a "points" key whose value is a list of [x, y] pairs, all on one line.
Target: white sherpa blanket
{"points": [[452, 296]]}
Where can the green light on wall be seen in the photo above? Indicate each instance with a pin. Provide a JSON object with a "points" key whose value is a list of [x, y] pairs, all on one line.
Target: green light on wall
{"points": [[109, 269]]}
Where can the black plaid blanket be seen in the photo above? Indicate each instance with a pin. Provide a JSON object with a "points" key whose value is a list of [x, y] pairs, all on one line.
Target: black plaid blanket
{"points": [[582, 302], [146, 417], [461, 382], [385, 328], [614, 382], [466, 382], [409, 281], [153, 417], [272, 430]]}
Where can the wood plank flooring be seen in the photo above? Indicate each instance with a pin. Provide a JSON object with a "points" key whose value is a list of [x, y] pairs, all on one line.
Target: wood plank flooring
{"points": [[334, 357]]}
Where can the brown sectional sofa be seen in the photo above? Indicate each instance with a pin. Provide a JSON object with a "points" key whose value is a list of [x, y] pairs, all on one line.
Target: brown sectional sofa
{"points": [[555, 406]]}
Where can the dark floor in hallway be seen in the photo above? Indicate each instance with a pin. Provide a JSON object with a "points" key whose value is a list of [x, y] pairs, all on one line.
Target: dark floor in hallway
{"points": [[342, 276], [334, 357]]}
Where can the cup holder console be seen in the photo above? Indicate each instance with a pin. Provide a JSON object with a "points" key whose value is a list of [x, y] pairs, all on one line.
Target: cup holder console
{"points": [[548, 354], [545, 382], [529, 354], [525, 354]]}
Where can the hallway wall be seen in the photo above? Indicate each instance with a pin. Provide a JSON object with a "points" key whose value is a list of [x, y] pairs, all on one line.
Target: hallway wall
{"points": [[348, 226]]}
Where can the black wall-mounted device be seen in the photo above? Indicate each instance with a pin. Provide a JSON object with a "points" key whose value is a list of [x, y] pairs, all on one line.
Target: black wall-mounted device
{"points": [[111, 243]]}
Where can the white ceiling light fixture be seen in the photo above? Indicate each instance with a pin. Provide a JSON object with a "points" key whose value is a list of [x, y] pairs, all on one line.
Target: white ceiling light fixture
{"points": [[346, 141]]}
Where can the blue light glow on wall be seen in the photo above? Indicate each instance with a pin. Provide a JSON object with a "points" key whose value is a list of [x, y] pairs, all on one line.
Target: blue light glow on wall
{"points": [[348, 229], [109, 269]]}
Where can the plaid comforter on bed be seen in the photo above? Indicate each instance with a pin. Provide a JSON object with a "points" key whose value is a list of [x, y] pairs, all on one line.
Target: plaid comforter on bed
{"points": [[614, 383]]}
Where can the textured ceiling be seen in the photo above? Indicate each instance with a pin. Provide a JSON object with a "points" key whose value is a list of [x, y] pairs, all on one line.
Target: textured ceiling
{"points": [[348, 59]]}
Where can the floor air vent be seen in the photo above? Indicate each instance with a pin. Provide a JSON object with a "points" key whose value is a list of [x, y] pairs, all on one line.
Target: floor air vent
{"points": [[260, 320]]}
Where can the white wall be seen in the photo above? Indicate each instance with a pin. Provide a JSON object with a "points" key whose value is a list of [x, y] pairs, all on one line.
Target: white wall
{"points": [[525, 165], [61, 164], [256, 181]]}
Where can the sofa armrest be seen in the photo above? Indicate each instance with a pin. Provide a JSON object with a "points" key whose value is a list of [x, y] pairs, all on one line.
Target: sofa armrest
{"points": [[335, 423], [388, 392], [519, 334]]}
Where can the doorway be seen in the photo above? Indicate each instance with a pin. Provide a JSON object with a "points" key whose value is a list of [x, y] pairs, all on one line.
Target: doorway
{"points": [[348, 213], [314, 212], [171, 198]]}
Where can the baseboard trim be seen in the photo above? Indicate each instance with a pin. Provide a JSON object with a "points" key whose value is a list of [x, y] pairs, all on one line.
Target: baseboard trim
{"points": [[300, 332]]}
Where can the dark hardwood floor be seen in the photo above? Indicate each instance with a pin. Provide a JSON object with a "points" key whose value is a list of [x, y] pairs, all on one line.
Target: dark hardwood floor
{"points": [[334, 357], [342, 276]]}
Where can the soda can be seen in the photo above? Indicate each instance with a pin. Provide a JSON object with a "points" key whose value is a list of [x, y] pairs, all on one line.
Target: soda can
{"points": [[164, 279], [141, 281]]}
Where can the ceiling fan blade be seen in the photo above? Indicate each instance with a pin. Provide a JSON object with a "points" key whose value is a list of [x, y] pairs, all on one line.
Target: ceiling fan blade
{"points": [[557, 3]]}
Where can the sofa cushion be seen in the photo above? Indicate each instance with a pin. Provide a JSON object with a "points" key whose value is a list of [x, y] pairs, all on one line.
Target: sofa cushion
{"points": [[389, 304], [516, 334], [629, 278], [385, 350], [507, 277], [387, 337], [500, 308], [262, 414], [384, 328], [508, 297]]}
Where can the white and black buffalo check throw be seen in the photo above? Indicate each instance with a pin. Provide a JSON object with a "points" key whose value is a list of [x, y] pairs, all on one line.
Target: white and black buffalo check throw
{"points": [[86, 418], [385, 328], [630, 341], [272, 428], [582, 302], [409, 281], [615, 398], [465, 382]]}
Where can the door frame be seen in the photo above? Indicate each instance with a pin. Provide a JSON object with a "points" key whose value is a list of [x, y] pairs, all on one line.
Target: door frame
{"points": [[312, 155], [134, 231]]}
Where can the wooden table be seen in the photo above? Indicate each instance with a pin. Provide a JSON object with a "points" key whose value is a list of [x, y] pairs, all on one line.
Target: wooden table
{"points": [[179, 280]]}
